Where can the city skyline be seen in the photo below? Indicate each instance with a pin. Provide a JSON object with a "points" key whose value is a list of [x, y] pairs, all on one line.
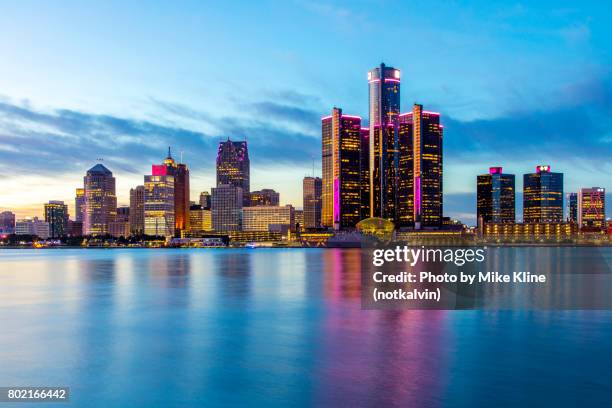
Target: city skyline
{"points": [[514, 103]]}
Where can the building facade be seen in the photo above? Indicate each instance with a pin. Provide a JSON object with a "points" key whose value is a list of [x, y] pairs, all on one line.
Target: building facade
{"points": [[79, 205], [121, 226], [200, 219], [233, 167], [266, 197], [384, 108], [137, 198], [205, 200], [312, 201], [100, 200], [341, 188], [32, 226], [261, 218], [227, 203], [543, 196], [7, 222], [56, 215], [159, 203], [592, 208], [495, 197], [572, 207]]}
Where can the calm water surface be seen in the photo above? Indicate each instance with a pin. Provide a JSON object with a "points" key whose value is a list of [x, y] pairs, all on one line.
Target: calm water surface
{"points": [[275, 327]]}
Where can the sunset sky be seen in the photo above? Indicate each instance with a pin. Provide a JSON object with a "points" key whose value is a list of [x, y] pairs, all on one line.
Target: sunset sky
{"points": [[517, 84]]}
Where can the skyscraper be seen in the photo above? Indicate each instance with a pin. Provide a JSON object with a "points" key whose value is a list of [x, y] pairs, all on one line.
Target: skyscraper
{"points": [[266, 197], [495, 197], [364, 172], [341, 143], [56, 214], [592, 207], [542, 196], [79, 205], [121, 226], [384, 90], [572, 207], [312, 189], [233, 167], [227, 207], [100, 200], [159, 202], [137, 197]]}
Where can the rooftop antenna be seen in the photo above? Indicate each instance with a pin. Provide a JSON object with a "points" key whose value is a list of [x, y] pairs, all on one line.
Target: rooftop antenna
{"points": [[100, 159], [169, 155]]}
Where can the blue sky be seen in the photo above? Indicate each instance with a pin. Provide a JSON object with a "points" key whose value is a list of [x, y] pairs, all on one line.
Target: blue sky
{"points": [[518, 84]]}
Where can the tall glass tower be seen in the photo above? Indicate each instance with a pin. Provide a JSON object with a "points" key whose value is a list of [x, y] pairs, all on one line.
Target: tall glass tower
{"points": [[542, 196], [233, 167], [384, 87]]}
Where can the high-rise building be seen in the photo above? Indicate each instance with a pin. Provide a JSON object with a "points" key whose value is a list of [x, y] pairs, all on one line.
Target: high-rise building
{"points": [[7, 222], [200, 219], [205, 200], [260, 218], [79, 205], [384, 90], [137, 197], [592, 207], [495, 197], [181, 198], [312, 190], [299, 220], [542, 196], [227, 207], [572, 207], [267, 197], [56, 214], [100, 200], [233, 167], [364, 172], [120, 227], [341, 194], [159, 202]]}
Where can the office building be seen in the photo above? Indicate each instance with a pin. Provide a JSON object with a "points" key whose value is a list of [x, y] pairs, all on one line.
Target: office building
{"points": [[205, 200], [120, 227], [100, 200], [364, 173], [543, 196], [227, 203], [265, 197], [312, 201], [200, 219], [262, 218], [384, 108], [299, 220], [56, 215], [159, 202], [32, 226], [79, 205], [7, 222], [233, 167], [495, 197], [137, 199], [572, 207], [592, 208], [341, 189]]}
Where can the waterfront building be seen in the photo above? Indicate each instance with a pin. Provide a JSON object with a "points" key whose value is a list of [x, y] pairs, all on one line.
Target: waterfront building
{"points": [[205, 200], [261, 218], [200, 219], [341, 188], [299, 220], [56, 214], [100, 200], [233, 167], [227, 203], [75, 228], [32, 226], [384, 109], [265, 197], [7, 222], [120, 227], [530, 232], [364, 173], [159, 200], [181, 198], [543, 196], [592, 208], [79, 205], [572, 207], [137, 199], [312, 201], [495, 197]]}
